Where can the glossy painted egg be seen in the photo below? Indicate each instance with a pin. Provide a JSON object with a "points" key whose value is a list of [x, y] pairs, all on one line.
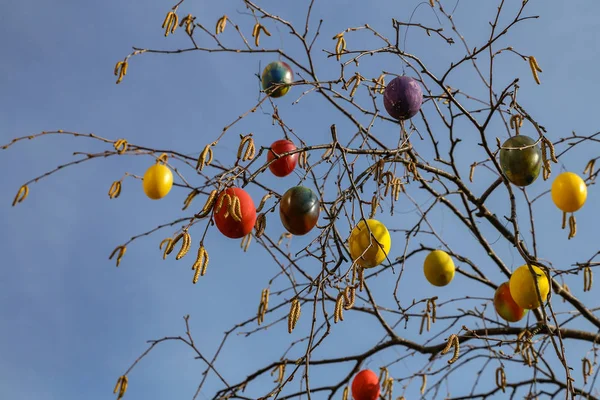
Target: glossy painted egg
{"points": [[439, 268], [521, 167], [369, 246], [224, 219], [276, 79], [158, 181], [299, 210], [569, 192], [403, 97], [286, 164], [365, 385], [522, 286], [505, 305]]}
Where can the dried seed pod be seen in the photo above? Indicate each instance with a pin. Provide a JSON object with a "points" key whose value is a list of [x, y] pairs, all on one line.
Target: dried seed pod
{"points": [[428, 316], [188, 21], [501, 379], [235, 208], [449, 344], [285, 235], [206, 157], [425, 322], [21, 195], [118, 385], [163, 158], [245, 244], [586, 370], [380, 84], [263, 201], [120, 146], [340, 45], [294, 314], [397, 188], [303, 160], [339, 306], [431, 306], [472, 171], [185, 245], [121, 386], [210, 202], [456, 346], [124, 385], [588, 278], [589, 168], [374, 205], [263, 305], [345, 393], [388, 387], [516, 121], [189, 198], [328, 153], [170, 23], [551, 148], [221, 24], [547, 168], [260, 225], [120, 70], [383, 374], [378, 171], [361, 278], [535, 68], [280, 369], [121, 250], [356, 79], [349, 297], [200, 264], [256, 33], [523, 334], [248, 152], [572, 227], [452, 343], [388, 178], [168, 242], [423, 384], [115, 190]]}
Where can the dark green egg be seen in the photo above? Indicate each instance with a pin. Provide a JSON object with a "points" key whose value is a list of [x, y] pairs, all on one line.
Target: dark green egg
{"points": [[521, 167], [299, 210]]}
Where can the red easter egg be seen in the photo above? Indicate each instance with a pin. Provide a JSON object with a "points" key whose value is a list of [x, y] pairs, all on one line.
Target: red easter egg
{"points": [[284, 165], [226, 222], [365, 385], [505, 305]]}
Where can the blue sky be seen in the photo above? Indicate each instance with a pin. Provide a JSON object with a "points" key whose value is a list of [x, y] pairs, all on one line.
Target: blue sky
{"points": [[72, 322]]}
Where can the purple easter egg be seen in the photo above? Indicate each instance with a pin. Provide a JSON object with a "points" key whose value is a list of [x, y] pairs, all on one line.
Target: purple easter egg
{"points": [[403, 97]]}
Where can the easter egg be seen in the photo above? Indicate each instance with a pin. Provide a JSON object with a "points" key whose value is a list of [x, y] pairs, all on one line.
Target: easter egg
{"points": [[521, 167], [522, 286], [439, 268], [403, 97], [226, 221], [569, 192], [276, 79], [369, 248], [365, 386], [299, 210], [505, 305], [283, 166], [158, 181]]}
